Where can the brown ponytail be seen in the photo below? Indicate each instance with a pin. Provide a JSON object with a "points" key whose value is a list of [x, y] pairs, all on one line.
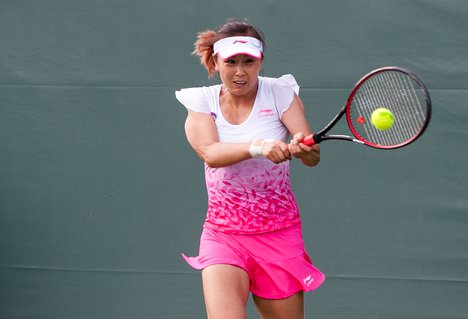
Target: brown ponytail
{"points": [[204, 49]]}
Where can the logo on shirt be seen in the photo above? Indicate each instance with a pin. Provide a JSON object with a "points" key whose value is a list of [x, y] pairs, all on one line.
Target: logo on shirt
{"points": [[213, 114], [266, 113]]}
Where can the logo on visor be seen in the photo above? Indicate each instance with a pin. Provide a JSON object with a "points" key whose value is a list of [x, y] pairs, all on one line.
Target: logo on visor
{"points": [[240, 41]]}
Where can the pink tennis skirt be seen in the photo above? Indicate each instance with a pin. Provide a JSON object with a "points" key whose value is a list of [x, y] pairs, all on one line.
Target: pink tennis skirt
{"points": [[276, 262]]}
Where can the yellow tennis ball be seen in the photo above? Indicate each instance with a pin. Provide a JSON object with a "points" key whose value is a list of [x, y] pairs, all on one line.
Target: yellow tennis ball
{"points": [[382, 118]]}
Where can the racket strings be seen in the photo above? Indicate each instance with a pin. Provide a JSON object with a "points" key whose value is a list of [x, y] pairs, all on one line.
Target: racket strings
{"points": [[399, 93]]}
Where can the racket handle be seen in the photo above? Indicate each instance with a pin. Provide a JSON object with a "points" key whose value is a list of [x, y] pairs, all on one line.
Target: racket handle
{"points": [[309, 140]]}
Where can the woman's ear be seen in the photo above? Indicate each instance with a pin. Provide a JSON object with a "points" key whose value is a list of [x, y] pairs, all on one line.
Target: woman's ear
{"points": [[215, 61]]}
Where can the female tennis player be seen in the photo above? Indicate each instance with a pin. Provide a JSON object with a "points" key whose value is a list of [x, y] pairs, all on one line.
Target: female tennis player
{"points": [[252, 237]]}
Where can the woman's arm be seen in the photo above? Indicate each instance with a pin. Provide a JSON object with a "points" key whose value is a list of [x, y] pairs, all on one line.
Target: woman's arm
{"points": [[296, 122], [203, 137]]}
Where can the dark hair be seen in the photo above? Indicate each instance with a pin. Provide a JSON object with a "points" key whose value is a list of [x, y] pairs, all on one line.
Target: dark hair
{"points": [[231, 28]]}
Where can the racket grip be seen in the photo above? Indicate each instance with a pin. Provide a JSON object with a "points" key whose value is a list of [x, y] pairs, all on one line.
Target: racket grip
{"points": [[309, 140]]}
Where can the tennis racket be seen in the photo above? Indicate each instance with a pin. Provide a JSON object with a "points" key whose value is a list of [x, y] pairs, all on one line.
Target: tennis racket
{"points": [[400, 93]]}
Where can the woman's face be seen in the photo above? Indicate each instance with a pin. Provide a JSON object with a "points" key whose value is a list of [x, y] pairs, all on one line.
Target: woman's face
{"points": [[239, 73]]}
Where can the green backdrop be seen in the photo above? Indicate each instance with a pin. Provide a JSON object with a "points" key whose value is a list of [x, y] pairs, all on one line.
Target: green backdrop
{"points": [[100, 192]]}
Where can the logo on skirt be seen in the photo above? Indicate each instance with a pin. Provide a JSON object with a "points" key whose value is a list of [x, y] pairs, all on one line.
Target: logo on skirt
{"points": [[308, 280]]}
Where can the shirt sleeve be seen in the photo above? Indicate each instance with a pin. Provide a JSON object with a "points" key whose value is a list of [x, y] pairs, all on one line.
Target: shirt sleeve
{"points": [[194, 99], [283, 90]]}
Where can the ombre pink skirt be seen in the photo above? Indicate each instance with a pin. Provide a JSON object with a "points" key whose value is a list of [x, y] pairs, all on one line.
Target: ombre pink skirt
{"points": [[276, 262]]}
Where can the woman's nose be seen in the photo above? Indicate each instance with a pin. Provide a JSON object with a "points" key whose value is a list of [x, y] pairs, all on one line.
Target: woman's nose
{"points": [[240, 70]]}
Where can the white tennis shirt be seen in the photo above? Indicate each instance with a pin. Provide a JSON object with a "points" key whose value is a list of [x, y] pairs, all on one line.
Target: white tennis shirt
{"points": [[253, 196]]}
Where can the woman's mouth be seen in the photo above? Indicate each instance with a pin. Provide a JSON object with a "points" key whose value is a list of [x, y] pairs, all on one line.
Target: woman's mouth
{"points": [[240, 83]]}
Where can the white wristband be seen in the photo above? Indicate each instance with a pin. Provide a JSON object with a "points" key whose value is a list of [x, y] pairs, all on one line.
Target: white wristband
{"points": [[255, 150]]}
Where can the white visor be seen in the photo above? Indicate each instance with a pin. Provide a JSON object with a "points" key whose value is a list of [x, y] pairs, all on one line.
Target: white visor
{"points": [[231, 46]]}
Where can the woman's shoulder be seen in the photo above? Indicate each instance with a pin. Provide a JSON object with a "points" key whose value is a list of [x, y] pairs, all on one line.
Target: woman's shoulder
{"points": [[198, 91], [198, 98], [286, 80]]}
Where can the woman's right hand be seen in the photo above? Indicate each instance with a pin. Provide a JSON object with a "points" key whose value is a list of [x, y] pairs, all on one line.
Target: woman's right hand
{"points": [[276, 151]]}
